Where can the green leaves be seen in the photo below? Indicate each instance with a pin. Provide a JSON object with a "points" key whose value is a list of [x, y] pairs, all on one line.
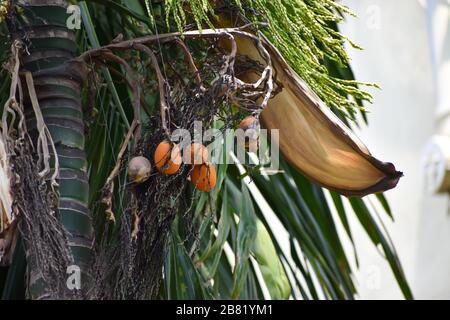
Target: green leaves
{"points": [[245, 241], [239, 248], [304, 213], [270, 236], [215, 247], [182, 279], [269, 263], [374, 230], [311, 263], [108, 106]]}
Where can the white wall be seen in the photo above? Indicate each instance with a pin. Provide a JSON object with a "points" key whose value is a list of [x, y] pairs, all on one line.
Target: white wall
{"points": [[397, 57]]}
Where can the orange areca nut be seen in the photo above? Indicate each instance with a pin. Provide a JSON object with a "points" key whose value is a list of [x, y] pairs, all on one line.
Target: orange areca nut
{"points": [[203, 177], [168, 157], [198, 153], [139, 169], [249, 141], [249, 122]]}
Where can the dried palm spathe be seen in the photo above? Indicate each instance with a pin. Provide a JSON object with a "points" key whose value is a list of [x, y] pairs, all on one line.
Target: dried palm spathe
{"points": [[312, 138]]}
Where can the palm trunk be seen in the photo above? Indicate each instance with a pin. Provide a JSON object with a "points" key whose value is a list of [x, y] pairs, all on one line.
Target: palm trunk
{"points": [[41, 25]]}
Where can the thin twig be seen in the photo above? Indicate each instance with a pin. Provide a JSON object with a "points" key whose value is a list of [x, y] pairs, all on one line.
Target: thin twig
{"points": [[135, 90], [108, 188], [191, 62], [164, 106]]}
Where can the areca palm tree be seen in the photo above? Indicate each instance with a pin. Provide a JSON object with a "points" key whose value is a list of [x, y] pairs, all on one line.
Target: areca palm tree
{"points": [[79, 103]]}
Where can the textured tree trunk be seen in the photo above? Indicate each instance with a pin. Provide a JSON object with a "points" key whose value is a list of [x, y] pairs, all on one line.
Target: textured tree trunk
{"points": [[41, 25]]}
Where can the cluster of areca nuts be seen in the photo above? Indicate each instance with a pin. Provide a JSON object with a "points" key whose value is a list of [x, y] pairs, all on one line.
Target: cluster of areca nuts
{"points": [[168, 160]]}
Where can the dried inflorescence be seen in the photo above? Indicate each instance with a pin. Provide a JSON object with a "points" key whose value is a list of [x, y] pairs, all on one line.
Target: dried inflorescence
{"points": [[34, 190]]}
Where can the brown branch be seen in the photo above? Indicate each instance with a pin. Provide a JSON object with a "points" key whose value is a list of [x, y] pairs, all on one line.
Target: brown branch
{"points": [[168, 37], [231, 58], [207, 33], [191, 62], [135, 89], [266, 77], [163, 105]]}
